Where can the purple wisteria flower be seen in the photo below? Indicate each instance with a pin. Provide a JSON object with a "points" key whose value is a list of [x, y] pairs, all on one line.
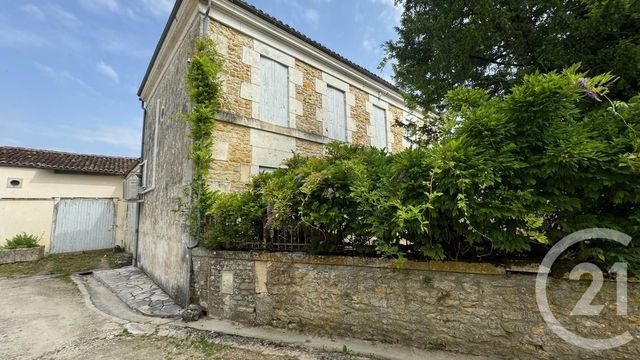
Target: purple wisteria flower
{"points": [[582, 84], [330, 190]]}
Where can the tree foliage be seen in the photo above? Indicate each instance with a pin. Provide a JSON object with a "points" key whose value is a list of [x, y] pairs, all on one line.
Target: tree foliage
{"points": [[515, 174], [493, 44]]}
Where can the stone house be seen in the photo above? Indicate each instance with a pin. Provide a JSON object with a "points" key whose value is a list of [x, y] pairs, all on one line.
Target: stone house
{"points": [[284, 93], [73, 202]]}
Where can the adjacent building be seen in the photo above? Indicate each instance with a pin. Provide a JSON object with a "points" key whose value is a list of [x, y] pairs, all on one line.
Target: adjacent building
{"points": [[73, 202], [284, 93]]}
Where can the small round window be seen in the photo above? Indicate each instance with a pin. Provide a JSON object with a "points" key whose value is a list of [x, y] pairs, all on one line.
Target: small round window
{"points": [[14, 183]]}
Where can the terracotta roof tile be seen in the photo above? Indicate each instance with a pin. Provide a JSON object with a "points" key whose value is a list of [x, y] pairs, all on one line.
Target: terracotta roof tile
{"points": [[62, 161]]}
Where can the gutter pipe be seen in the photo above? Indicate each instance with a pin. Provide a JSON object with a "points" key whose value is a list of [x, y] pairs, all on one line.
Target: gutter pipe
{"points": [[136, 235]]}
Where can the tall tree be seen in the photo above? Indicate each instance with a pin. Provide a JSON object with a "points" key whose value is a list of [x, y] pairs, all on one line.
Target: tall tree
{"points": [[492, 44]]}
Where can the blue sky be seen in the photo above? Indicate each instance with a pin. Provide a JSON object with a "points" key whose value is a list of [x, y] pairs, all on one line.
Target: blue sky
{"points": [[70, 69]]}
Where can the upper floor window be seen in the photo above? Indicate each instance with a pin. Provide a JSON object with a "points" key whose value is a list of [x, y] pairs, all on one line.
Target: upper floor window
{"points": [[336, 125], [379, 128], [274, 104]]}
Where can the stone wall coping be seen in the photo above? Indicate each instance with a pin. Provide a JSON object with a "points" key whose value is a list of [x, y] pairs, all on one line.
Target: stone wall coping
{"points": [[301, 258], [9, 256], [265, 126]]}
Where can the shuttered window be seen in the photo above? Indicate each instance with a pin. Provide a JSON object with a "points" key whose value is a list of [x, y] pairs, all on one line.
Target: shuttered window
{"points": [[379, 127], [274, 104], [336, 125]]}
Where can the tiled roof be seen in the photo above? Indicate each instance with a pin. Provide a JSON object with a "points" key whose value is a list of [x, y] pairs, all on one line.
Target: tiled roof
{"points": [[62, 161], [272, 20]]}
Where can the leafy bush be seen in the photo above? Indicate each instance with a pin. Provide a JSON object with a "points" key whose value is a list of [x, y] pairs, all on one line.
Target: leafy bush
{"points": [[508, 176], [22, 241], [235, 220]]}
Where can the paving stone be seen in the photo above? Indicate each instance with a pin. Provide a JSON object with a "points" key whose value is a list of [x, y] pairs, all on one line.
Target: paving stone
{"points": [[139, 292]]}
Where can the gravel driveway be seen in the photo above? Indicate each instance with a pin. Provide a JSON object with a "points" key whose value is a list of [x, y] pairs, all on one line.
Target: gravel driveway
{"points": [[46, 318]]}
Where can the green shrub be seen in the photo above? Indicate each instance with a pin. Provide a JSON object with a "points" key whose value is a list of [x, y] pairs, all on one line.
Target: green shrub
{"points": [[22, 241], [509, 176], [235, 219]]}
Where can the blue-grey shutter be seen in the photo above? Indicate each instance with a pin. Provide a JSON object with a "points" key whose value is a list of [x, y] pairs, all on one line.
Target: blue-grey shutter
{"points": [[379, 128], [274, 103], [336, 125]]}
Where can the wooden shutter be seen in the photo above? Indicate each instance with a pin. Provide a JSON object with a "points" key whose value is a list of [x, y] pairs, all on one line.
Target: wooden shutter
{"points": [[274, 104], [379, 127], [336, 125]]}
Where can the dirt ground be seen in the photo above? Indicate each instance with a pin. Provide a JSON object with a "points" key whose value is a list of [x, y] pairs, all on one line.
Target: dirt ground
{"points": [[46, 312], [45, 317]]}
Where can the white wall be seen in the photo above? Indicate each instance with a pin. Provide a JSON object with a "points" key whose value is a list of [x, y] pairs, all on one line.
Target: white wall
{"points": [[30, 208]]}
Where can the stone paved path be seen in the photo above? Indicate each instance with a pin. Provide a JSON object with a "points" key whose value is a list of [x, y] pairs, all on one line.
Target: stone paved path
{"points": [[135, 288]]}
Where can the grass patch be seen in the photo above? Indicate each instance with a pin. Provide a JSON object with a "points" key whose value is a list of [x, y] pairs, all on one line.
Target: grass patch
{"points": [[206, 347], [67, 264]]}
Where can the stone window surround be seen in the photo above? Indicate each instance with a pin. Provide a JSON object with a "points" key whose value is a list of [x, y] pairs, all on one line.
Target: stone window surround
{"points": [[375, 101], [291, 48], [253, 91], [350, 101]]}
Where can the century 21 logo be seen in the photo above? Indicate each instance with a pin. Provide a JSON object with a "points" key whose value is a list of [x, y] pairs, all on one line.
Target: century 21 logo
{"points": [[584, 305]]}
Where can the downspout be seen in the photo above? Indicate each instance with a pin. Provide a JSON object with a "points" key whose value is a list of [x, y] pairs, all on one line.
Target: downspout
{"points": [[153, 186], [136, 235], [205, 21]]}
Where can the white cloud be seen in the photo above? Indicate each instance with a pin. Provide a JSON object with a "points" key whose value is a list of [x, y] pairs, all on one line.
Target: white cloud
{"points": [[112, 6], [126, 137], [158, 8], [119, 43], [18, 38], [312, 16], [134, 9], [63, 16], [392, 13], [52, 11], [9, 142], [100, 5], [59, 75], [367, 44], [107, 71], [33, 11]]}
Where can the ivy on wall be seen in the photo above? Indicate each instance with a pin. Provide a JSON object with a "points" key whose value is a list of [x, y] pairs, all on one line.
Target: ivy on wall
{"points": [[205, 91]]}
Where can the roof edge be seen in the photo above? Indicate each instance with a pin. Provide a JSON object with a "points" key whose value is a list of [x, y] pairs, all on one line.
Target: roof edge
{"points": [[251, 9], [156, 52], [121, 171]]}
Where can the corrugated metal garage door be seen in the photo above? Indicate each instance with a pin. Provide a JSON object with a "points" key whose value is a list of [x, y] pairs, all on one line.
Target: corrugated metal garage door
{"points": [[83, 225]]}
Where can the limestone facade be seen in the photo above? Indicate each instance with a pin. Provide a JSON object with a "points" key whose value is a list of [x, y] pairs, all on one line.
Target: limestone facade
{"points": [[244, 148], [244, 144]]}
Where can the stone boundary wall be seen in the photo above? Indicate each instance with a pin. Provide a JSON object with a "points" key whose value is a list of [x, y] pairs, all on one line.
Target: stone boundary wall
{"points": [[476, 309], [10, 256]]}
